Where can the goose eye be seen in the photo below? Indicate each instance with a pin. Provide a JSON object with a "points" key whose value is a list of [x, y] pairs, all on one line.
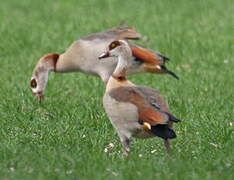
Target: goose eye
{"points": [[33, 83], [114, 45]]}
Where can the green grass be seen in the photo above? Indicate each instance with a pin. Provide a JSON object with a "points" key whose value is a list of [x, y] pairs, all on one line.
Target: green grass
{"points": [[65, 136]]}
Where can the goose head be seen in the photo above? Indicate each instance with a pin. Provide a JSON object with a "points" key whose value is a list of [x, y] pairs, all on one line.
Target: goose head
{"points": [[116, 48], [40, 74]]}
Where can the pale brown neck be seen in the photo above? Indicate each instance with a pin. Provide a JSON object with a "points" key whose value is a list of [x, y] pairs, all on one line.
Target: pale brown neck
{"points": [[120, 72], [119, 77]]}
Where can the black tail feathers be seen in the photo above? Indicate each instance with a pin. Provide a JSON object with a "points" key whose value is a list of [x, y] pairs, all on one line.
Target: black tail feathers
{"points": [[163, 131]]}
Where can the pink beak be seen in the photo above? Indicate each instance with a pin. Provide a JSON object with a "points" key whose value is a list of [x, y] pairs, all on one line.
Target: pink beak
{"points": [[104, 55]]}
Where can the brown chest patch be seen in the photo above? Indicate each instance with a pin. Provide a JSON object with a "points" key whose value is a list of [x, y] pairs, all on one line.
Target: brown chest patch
{"points": [[119, 78]]}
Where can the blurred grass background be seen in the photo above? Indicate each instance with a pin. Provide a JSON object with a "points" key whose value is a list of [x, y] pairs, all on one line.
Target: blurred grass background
{"points": [[65, 137]]}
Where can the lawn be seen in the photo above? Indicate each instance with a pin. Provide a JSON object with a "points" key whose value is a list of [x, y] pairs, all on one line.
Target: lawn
{"points": [[65, 136]]}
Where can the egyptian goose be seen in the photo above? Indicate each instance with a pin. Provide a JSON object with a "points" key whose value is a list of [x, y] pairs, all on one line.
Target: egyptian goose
{"points": [[134, 111], [83, 54]]}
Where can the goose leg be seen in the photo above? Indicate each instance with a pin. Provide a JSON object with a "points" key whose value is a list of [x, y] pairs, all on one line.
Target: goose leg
{"points": [[167, 144], [126, 146]]}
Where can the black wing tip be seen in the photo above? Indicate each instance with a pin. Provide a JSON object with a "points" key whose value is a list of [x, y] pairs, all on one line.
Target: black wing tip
{"points": [[173, 118], [164, 58], [169, 72]]}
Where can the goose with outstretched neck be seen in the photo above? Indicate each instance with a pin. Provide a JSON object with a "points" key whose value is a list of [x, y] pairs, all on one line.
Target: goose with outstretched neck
{"points": [[82, 56], [134, 111]]}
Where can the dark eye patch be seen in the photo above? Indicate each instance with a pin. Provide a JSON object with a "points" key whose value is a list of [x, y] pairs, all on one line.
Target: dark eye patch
{"points": [[114, 44], [33, 83]]}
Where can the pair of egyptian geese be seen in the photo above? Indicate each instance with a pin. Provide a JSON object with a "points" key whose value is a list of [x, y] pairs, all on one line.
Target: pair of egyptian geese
{"points": [[134, 111]]}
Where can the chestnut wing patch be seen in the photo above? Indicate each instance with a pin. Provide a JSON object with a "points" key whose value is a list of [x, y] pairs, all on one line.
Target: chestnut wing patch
{"points": [[154, 98], [147, 113], [147, 56], [157, 102]]}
